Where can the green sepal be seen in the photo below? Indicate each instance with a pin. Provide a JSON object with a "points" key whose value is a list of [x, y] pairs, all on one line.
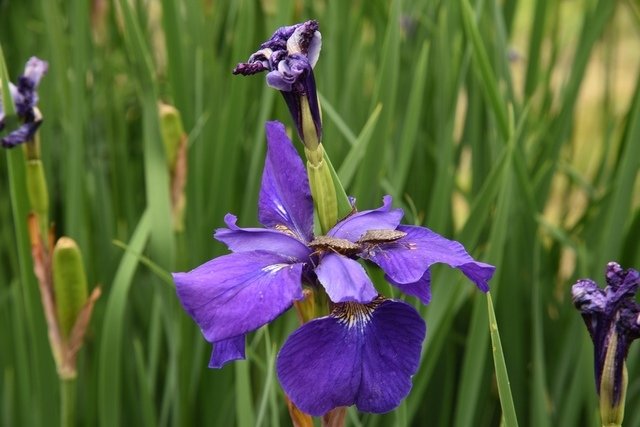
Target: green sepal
{"points": [[344, 206], [310, 136], [329, 197], [612, 414], [322, 190], [69, 283]]}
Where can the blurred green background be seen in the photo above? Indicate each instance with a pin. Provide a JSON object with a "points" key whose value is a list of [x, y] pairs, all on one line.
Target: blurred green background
{"points": [[511, 126]]}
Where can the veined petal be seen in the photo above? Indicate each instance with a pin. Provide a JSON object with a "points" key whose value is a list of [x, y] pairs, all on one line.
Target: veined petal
{"points": [[406, 260], [257, 239], [227, 351], [237, 293], [383, 218], [285, 197], [420, 289], [314, 48], [360, 354], [345, 279]]}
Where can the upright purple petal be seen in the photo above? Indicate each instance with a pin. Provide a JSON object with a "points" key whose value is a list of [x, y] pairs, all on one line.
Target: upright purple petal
{"points": [[34, 70], [345, 279], [227, 351], [256, 239], [360, 354], [383, 218], [285, 197], [406, 260], [237, 293]]}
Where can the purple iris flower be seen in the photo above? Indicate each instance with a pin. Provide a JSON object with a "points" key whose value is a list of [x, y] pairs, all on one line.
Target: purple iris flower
{"points": [[289, 57], [361, 354], [237, 293], [366, 351], [403, 252], [368, 348], [25, 99], [612, 317]]}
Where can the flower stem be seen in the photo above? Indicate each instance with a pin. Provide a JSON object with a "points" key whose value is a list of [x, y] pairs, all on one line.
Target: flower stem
{"points": [[67, 402], [330, 199]]}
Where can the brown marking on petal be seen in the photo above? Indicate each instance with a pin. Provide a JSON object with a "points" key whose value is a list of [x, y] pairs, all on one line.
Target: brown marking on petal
{"points": [[353, 313], [381, 236], [334, 244], [284, 229]]}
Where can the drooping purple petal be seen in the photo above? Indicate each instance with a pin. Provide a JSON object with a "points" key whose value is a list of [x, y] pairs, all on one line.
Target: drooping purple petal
{"points": [[420, 289], [285, 197], [406, 260], [360, 354], [23, 134], [237, 293], [257, 239], [227, 351], [383, 218], [345, 279]]}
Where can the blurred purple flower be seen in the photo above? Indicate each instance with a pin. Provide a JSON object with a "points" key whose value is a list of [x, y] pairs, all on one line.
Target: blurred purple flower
{"points": [[289, 57], [612, 317], [25, 99]]}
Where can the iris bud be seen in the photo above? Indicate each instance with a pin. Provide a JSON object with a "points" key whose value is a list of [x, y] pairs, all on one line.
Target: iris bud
{"points": [[69, 283]]}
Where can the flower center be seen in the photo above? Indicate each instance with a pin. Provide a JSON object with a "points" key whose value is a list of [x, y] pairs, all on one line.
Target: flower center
{"points": [[354, 314]]}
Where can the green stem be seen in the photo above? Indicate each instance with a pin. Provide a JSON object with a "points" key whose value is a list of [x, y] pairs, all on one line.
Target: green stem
{"points": [[67, 402], [330, 200]]}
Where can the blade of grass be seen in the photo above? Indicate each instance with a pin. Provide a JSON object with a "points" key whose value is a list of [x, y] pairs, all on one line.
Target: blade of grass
{"points": [[110, 357], [411, 124], [487, 76], [358, 151], [502, 377]]}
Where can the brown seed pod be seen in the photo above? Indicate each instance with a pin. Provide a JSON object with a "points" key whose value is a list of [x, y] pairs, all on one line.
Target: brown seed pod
{"points": [[380, 236]]}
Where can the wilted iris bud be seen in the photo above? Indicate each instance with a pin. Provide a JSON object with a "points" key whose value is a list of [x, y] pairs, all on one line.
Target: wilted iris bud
{"points": [[25, 99], [612, 317], [289, 57]]}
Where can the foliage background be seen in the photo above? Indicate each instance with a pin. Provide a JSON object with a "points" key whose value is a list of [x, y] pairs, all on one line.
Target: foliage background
{"points": [[512, 126]]}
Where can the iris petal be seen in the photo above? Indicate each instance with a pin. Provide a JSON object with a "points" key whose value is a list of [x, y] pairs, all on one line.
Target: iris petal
{"points": [[420, 289], [406, 260], [345, 279], [237, 293], [227, 351], [256, 239], [383, 218], [360, 354], [285, 197]]}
